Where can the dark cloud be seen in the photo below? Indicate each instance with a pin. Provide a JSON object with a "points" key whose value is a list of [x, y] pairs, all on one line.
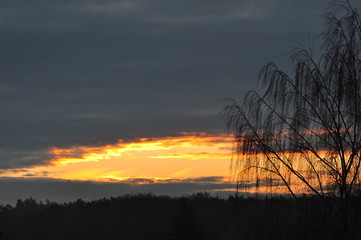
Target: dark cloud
{"points": [[64, 191], [67, 190], [89, 72]]}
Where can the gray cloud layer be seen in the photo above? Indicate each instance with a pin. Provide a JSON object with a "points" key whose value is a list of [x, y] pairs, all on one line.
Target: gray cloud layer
{"points": [[93, 71], [65, 191]]}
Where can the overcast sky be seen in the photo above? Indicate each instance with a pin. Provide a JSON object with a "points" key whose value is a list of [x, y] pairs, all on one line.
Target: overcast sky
{"points": [[90, 72]]}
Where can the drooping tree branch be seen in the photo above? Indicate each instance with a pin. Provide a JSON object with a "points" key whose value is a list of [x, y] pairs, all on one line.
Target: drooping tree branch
{"points": [[306, 126]]}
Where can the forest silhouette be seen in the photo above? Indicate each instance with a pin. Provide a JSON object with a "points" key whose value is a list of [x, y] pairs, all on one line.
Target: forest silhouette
{"points": [[196, 216]]}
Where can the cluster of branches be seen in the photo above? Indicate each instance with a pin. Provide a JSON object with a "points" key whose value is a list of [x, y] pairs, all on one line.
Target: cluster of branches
{"points": [[305, 128]]}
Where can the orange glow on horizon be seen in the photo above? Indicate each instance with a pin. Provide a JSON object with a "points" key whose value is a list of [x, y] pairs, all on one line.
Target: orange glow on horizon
{"points": [[156, 160], [190, 155]]}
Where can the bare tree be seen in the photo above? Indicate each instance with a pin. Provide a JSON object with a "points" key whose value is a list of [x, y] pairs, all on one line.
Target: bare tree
{"points": [[304, 130]]}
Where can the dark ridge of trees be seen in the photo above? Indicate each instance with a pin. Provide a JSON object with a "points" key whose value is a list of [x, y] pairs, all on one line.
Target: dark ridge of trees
{"points": [[184, 225], [197, 216]]}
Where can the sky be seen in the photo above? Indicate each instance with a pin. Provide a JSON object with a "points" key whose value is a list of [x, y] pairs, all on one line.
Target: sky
{"points": [[100, 98]]}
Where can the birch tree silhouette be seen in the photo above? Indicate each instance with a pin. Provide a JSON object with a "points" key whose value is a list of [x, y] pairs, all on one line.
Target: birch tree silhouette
{"points": [[304, 130]]}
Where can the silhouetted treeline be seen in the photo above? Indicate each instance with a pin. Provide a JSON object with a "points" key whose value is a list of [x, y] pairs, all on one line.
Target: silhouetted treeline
{"points": [[198, 216]]}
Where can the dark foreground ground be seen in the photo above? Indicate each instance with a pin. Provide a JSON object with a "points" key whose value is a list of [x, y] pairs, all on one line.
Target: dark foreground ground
{"points": [[199, 216]]}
